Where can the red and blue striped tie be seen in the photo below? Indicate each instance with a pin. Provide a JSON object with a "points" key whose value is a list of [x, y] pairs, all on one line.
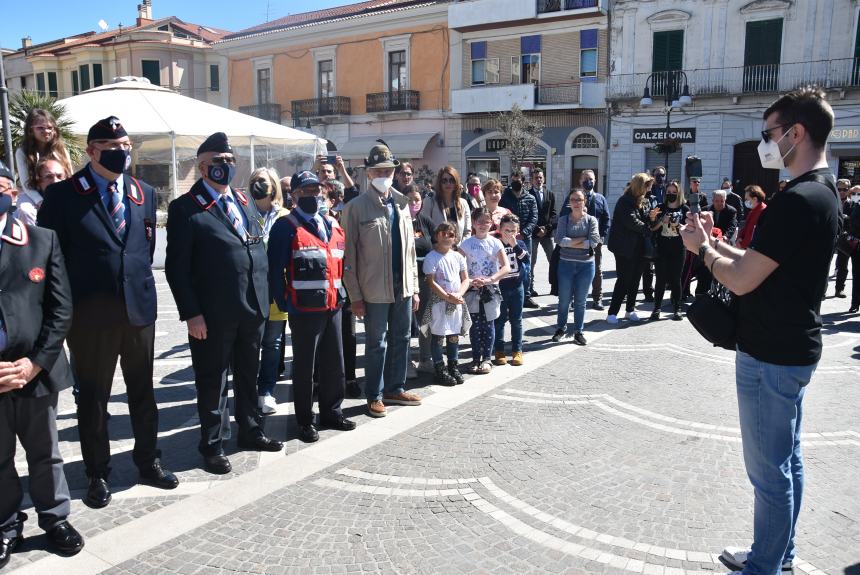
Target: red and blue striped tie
{"points": [[116, 209], [232, 216]]}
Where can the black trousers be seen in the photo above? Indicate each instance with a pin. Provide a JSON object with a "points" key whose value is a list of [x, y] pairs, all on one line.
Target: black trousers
{"points": [[95, 352], [842, 274], [317, 340], [668, 268], [235, 345], [547, 244], [597, 282], [33, 420], [647, 278], [628, 271], [349, 340]]}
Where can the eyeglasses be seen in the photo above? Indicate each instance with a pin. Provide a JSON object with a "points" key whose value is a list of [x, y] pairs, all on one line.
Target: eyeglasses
{"points": [[448, 181], [109, 145], [765, 134], [4, 189], [221, 160]]}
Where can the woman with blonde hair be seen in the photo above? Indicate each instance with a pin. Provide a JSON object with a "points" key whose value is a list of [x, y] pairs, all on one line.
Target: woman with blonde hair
{"points": [[627, 242], [264, 186], [41, 140], [446, 205], [665, 221]]}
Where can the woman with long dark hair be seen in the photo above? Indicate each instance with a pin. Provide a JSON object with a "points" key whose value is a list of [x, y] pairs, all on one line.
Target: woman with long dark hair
{"points": [[627, 242], [446, 205], [41, 140]]}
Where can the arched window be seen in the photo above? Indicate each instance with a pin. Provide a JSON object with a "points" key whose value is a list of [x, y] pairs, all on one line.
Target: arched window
{"points": [[585, 141]]}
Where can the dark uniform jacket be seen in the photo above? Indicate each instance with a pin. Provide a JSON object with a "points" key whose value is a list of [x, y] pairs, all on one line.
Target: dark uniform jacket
{"points": [[36, 303], [111, 277], [211, 269], [726, 220], [546, 214]]}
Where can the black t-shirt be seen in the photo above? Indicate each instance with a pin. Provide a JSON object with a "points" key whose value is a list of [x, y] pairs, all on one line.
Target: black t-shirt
{"points": [[779, 322]]}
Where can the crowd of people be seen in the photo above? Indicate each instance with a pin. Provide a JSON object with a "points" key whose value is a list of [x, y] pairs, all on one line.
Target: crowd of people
{"points": [[314, 254]]}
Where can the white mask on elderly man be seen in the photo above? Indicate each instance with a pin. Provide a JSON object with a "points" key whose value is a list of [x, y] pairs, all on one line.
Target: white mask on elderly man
{"points": [[382, 184]]}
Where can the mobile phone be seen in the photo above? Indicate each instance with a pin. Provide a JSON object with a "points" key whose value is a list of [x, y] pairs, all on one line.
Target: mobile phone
{"points": [[331, 159], [693, 200]]}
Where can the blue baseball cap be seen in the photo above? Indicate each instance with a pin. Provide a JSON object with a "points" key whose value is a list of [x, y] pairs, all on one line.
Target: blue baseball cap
{"points": [[302, 179]]}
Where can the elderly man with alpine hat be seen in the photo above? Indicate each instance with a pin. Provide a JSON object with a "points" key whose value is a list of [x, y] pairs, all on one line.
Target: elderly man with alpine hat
{"points": [[217, 269], [381, 276]]}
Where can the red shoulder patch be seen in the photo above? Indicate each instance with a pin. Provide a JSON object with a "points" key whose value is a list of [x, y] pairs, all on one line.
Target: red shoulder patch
{"points": [[241, 196], [36, 275]]}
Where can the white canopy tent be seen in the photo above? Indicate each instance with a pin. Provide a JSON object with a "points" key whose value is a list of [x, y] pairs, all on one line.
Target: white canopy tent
{"points": [[166, 129]]}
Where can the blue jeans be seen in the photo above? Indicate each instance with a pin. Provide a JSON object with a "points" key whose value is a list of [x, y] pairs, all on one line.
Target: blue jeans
{"points": [[270, 357], [574, 279], [770, 403], [387, 328], [451, 349], [510, 309]]}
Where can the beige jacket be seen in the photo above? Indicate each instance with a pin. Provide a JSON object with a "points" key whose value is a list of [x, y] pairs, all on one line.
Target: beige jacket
{"points": [[367, 262]]}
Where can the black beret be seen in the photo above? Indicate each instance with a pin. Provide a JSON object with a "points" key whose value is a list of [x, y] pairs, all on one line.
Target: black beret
{"points": [[217, 143], [107, 129]]}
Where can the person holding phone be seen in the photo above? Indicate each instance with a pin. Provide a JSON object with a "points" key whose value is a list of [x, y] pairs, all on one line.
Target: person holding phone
{"points": [[665, 221]]}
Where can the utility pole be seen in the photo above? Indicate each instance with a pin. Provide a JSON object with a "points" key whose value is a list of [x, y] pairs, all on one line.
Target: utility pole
{"points": [[4, 114]]}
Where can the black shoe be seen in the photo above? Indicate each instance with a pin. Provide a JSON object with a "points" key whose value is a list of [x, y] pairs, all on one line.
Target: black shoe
{"points": [[65, 538], [340, 423], [840, 293], [530, 303], [533, 293], [676, 315], [454, 372], [159, 477], [558, 335], [308, 433], [98, 493], [217, 464], [353, 390], [579, 339], [441, 375], [259, 443], [853, 309], [598, 306], [7, 546], [649, 298], [655, 315]]}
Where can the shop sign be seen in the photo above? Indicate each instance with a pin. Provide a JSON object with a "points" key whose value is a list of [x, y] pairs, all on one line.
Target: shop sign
{"points": [[496, 144], [845, 134], [660, 135]]}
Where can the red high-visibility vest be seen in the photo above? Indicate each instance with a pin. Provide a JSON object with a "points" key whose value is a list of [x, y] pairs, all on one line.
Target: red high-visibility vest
{"points": [[314, 278]]}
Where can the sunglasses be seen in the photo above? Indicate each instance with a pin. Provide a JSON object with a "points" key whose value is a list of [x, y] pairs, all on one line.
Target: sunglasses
{"points": [[765, 134], [221, 160]]}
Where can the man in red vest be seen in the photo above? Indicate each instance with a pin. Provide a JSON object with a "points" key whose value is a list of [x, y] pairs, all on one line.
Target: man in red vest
{"points": [[305, 279]]}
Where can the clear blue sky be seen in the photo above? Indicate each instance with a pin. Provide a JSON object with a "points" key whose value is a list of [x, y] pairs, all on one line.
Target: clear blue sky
{"points": [[46, 20]]}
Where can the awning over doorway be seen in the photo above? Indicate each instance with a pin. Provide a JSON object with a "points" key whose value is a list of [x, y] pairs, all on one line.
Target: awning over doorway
{"points": [[406, 146]]}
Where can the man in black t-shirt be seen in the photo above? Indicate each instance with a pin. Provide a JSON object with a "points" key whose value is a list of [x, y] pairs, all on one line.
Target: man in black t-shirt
{"points": [[780, 281]]}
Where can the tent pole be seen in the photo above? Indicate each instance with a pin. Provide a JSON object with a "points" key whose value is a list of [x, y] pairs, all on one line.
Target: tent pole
{"points": [[253, 157], [173, 178]]}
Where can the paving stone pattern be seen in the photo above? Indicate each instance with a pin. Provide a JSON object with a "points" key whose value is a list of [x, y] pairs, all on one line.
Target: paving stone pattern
{"points": [[623, 456]]}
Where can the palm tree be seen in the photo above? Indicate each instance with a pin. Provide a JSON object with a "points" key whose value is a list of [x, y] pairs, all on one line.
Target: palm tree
{"points": [[20, 105]]}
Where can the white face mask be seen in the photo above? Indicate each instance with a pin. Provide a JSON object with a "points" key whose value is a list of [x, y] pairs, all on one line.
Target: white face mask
{"points": [[854, 198], [748, 204], [769, 154], [382, 184]]}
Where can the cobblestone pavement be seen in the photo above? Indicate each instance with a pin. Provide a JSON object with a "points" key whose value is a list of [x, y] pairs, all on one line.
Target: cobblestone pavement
{"points": [[623, 456]]}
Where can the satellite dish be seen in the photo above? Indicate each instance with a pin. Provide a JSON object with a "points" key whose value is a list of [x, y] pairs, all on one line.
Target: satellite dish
{"points": [[103, 25]]}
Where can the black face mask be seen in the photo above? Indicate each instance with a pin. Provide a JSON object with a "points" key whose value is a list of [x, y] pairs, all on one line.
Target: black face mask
{"points": [[5, 203], [115, 161], [308, 204], [516, 186], [671, 198], [260, 189], [221, 174]]}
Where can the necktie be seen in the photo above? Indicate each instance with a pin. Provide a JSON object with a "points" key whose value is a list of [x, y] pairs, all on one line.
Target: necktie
{"points": [[116, 209], [232, 216]]}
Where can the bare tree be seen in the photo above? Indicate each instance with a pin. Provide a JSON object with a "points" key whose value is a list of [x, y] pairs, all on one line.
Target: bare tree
{"points": [[521, 132]]}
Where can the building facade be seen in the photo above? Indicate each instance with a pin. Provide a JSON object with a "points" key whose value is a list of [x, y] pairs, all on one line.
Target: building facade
{"points": [[550, 57], [734, 57], [351, 75], [167, 51]]}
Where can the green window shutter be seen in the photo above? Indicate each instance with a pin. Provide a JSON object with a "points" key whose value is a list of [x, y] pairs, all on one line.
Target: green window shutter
{"points": [[668, 51], [857, 42], [763, 42]]}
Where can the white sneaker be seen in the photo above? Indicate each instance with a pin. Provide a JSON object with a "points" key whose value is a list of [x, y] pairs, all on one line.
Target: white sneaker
{"points": [[736, 557], [411, 372], [267, 404], [612, 319], [426, 366], [632, 316]]}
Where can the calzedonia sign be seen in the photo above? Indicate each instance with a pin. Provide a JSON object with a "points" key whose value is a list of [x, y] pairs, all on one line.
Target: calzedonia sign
{"points": [[660, 135]]}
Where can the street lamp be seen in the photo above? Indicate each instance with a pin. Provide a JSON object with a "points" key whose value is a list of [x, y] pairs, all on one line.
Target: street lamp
{"points": [[672, 100]]}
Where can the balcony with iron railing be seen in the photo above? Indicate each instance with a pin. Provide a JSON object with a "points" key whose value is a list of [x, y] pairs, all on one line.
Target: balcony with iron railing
{"points": [[545, 6], [740, 80], [320, 107], [394, 101], [269, 112]]}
